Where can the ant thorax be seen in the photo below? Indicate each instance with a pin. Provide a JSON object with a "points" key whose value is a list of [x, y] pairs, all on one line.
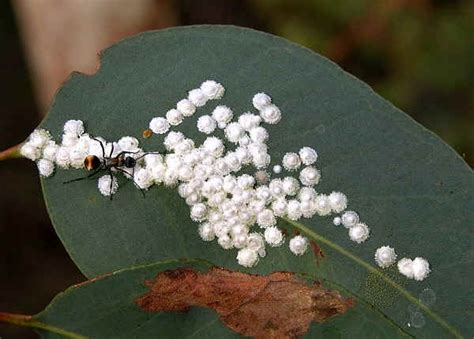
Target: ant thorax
{"points": [[114, 162]]}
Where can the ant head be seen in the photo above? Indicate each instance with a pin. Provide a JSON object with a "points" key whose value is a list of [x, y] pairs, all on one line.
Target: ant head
{"points": [[130, 162], [91, 162]]}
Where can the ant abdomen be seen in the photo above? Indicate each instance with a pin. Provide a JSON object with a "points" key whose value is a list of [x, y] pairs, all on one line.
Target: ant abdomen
{"points": [[91, 162]]}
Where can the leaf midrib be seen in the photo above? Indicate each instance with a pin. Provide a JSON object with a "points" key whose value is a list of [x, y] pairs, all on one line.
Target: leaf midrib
{"points": [[317, 237]]}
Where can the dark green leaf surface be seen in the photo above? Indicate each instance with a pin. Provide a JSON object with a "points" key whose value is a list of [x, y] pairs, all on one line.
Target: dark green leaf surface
{"points": [[414, 192]]}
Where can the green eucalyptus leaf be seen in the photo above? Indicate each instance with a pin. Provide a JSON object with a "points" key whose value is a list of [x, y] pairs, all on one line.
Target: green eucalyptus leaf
{"points": [[412, 189], [107, 307]]}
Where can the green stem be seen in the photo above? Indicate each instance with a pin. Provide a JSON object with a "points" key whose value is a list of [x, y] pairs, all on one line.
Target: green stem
{"points": [[312, 234], [29, 321], [11, 153]]}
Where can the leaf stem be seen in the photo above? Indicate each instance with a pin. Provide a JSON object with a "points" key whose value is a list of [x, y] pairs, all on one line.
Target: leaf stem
{"points": [[312, 234], [32, 322], [11, 153], [29, 321]]}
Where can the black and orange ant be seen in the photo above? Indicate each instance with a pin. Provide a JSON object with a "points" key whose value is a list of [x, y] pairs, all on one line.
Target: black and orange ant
{"points": [[109, 163]]}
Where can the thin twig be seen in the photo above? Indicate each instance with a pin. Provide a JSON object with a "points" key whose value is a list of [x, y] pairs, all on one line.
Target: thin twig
{"points": [[30, 321], [11, 153]]}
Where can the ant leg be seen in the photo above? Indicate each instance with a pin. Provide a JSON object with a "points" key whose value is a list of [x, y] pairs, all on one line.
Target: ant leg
{"points": [[111, 184], [132, 177], [111, 150], [142, 190], [83, 178], [101, 146], [125, 173]]}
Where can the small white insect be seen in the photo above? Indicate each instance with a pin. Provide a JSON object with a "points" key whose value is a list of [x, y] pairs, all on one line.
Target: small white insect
{"points": [[50, 150], [338, 201], [198, 212], [107, 185], [258, 134], [143, 178], [322, 205], [421, 268], [290, 186], [385, 256], [256, 242], [261, 100], [247, 258], [280, 205], [45, 167], [308, 155], [310, 176], [350, 219], [74, 128], [277, 169], [359, 233], [266, 218], [293, 210], [62, 157], [174, 117], [298, 245], [233, 132], [197, 97], [225, 242], [206, 232], [173, 139], [271, 114], [249, 121], [159, 125], [29, 151], [206, 124], [39, 138], [274, 237], [291, 161], [186, 107], [405, 267], [222, 115], [212, 89], [128, 144]]}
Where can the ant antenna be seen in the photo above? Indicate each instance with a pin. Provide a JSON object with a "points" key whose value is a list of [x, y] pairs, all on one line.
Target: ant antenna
{"points": [[146, 153]]}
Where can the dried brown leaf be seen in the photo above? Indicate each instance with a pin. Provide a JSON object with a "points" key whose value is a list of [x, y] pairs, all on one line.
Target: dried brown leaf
{"points": [[275, 306]]}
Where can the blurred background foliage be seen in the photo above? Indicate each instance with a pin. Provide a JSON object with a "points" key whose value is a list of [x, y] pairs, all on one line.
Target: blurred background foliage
{"points": [[416, 53], [419, 54]]}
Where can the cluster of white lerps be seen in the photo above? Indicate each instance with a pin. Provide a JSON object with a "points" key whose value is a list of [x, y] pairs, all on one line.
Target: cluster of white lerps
{"points": [[75, 146], [227, 205]]}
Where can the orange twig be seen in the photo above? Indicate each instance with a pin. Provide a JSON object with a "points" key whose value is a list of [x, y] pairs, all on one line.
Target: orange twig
{"points": [[10, 153]]}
